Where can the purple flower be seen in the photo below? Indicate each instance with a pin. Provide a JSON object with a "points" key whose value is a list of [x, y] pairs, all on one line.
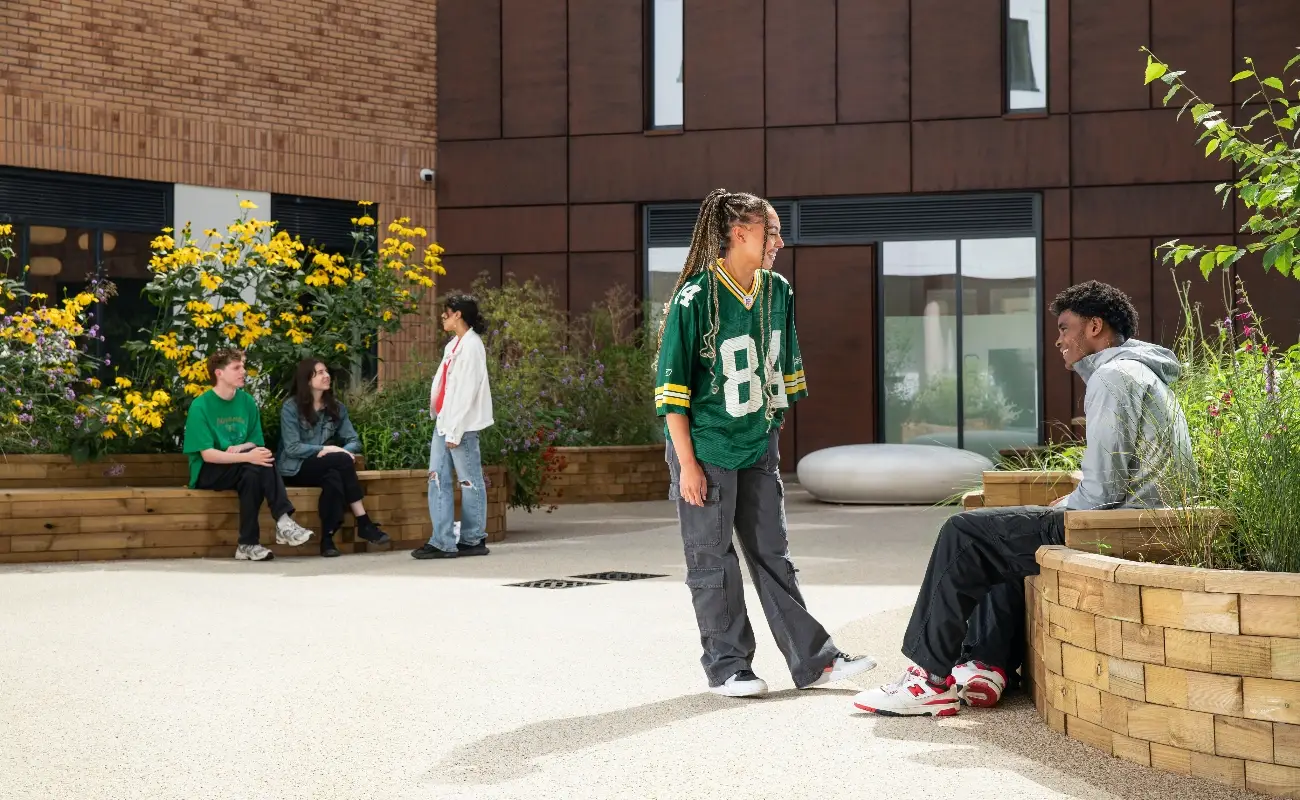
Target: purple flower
{"points": [[69, 394], [25, 418], [396, 434]]}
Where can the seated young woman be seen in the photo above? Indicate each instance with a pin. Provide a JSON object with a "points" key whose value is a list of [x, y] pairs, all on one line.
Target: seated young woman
{"points": [[309, 421]]}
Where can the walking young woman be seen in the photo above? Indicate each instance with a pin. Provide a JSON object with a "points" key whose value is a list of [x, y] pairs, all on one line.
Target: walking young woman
{"points": [[309, 421], [461, 401], [728, 369]]}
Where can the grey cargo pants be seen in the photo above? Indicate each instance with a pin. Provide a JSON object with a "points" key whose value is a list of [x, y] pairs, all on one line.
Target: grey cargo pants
{"points": [[752, 501]]}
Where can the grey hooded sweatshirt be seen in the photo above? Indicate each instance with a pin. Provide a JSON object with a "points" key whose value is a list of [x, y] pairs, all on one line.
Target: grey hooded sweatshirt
{"points": [[1135, 426]]}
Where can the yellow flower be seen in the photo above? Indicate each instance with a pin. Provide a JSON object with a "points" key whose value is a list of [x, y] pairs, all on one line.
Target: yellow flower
{"points": [[123, 383], [94, 383], [340, 347], [108, 434], [18, 404], [388, 315], [212, 233], [247, 204], [210, 282], [85, 298], [365, 221], [194, 390], [6, 230], [161, 398], [366, 203]]}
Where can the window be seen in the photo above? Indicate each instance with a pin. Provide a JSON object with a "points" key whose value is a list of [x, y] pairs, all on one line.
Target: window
{"points": [[663, 264], [668, 66], [1026, 55], [969, 302]]}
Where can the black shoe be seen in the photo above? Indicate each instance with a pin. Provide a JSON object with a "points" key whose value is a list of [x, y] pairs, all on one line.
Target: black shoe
{"points": [[327, 548], [429, 551], [372, 534], [480, 549]]}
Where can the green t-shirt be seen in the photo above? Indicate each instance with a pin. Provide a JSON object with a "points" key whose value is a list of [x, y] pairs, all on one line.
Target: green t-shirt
{"points": [[216, 424], [724, 397]]}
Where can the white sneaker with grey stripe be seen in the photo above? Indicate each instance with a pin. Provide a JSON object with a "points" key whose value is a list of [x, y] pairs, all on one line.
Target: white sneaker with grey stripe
{"points": [[289, 532]]}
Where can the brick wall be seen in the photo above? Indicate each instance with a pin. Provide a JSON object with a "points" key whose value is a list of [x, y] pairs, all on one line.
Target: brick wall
{"points": [[609, 475], [316, 98]]}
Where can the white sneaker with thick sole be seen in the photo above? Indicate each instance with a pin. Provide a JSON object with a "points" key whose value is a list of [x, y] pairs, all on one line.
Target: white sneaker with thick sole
{"points": [[253, 552], [978, 684], [742, 684], [288, 531], [844, 666], [912, 696]]}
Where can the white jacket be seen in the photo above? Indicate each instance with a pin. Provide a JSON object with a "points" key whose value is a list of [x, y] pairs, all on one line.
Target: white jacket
{"points": [[467, 405]]}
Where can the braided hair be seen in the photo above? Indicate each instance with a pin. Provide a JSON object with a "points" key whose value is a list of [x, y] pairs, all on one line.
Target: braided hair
{"points": [[719, 212]]}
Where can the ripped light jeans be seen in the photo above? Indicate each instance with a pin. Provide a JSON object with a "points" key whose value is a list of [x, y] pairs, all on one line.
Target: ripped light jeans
{"points": [[473, 494]]}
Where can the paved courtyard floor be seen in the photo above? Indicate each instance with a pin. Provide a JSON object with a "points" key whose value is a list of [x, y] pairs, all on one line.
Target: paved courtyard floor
{"points": [[377, 676]]}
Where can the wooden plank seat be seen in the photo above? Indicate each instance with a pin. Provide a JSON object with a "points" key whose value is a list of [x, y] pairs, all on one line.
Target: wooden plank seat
{"points": [[95, 524]]}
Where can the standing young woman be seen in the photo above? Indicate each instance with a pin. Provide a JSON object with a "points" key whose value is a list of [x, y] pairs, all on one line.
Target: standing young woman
{"points": [[728, 368], [309, 421], [461, 401]]}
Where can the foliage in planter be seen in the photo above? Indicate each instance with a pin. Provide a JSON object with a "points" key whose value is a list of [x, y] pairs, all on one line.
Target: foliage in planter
{"points": [[936, 402], [50, 399], [1268, 169], [1241, 397]]}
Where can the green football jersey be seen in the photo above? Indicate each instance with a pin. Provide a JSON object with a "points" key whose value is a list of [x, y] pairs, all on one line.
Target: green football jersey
{"points": [[724, 397]]}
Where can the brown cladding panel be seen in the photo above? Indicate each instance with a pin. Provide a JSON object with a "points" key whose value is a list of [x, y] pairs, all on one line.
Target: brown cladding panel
{"points": [[639, 168], [1214, 295], [960, 155], [1124, 264], [1196, 36], [836, 328], [463, 271], [550, 270], [1106, 67], [1056, 214], [956, 59], [1127, 211], [1274, 296], [800, 62], [874, 62], [469, 69], [724, 65], [838, 159], [785, 265], [518, 229], [605, 91], [1130, 147], [1058, 382], [534, 67], [602, 228], [1266, 32], [1058, 55], [502, 172], [591, 275]]}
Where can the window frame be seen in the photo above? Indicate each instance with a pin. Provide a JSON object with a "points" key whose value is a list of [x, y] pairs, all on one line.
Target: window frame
{"points": [[1005, 24], [651, 110]]}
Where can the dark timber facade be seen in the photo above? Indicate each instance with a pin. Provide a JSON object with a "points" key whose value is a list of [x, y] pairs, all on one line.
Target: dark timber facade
{"points": [[942, 168]]}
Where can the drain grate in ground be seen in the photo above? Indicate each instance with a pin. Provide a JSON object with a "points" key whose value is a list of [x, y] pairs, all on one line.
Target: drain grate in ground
{"points": [[552, 583], [619, 576]]}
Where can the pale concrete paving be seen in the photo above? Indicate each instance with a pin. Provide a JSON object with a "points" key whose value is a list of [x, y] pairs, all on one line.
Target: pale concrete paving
{"points": [[378, 676]]}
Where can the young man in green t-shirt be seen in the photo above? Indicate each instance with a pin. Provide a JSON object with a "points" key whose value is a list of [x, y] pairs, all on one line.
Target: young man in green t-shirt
{"points": [[728, 369], [223, 439]]}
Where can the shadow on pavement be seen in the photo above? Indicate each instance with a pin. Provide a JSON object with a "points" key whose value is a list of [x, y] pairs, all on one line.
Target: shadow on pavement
{"points": [[512, 755], [1012, 737]]}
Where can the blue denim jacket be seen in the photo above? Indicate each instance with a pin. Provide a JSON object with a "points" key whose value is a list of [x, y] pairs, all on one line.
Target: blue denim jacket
{"points": [[299, 442]]}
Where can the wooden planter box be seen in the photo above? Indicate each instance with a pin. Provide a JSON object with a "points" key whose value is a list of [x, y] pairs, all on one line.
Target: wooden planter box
{"points": [[1022, 488], [609, 475], [94, 524], [1191, 671], [44, 472]]}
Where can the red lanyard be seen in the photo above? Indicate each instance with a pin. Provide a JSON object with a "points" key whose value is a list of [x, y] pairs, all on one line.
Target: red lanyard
{"points": [[442, 384]]}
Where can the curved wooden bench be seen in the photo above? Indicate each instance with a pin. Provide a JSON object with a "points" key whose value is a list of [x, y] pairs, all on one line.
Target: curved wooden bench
{"points": [[96, 524]]}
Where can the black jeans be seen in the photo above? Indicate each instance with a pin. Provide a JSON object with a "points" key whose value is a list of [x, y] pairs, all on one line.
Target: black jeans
{"points": [[971, 604], [254, 485], [336, 475]]}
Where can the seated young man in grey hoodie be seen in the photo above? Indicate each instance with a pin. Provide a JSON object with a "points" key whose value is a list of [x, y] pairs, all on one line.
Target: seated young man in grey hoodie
{"points": [[966, 635]]}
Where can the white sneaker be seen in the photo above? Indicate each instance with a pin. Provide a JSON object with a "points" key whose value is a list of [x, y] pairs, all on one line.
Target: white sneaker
{"points": [[912, 696], [289, 532], [844, 666], [742, 684], [253, 552], [978, 684]]}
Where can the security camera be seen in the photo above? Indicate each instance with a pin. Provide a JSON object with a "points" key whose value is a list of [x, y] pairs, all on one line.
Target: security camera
{"points": [[426, 175]]}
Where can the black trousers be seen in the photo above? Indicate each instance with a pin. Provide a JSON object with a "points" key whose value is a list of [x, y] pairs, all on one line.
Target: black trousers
{"points": [[971, 604], [336, 475], [254, 485]]}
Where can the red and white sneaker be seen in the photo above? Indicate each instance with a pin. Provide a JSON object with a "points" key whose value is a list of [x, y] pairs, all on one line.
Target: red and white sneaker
{"points": [[978, 684], [912, 696]]}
